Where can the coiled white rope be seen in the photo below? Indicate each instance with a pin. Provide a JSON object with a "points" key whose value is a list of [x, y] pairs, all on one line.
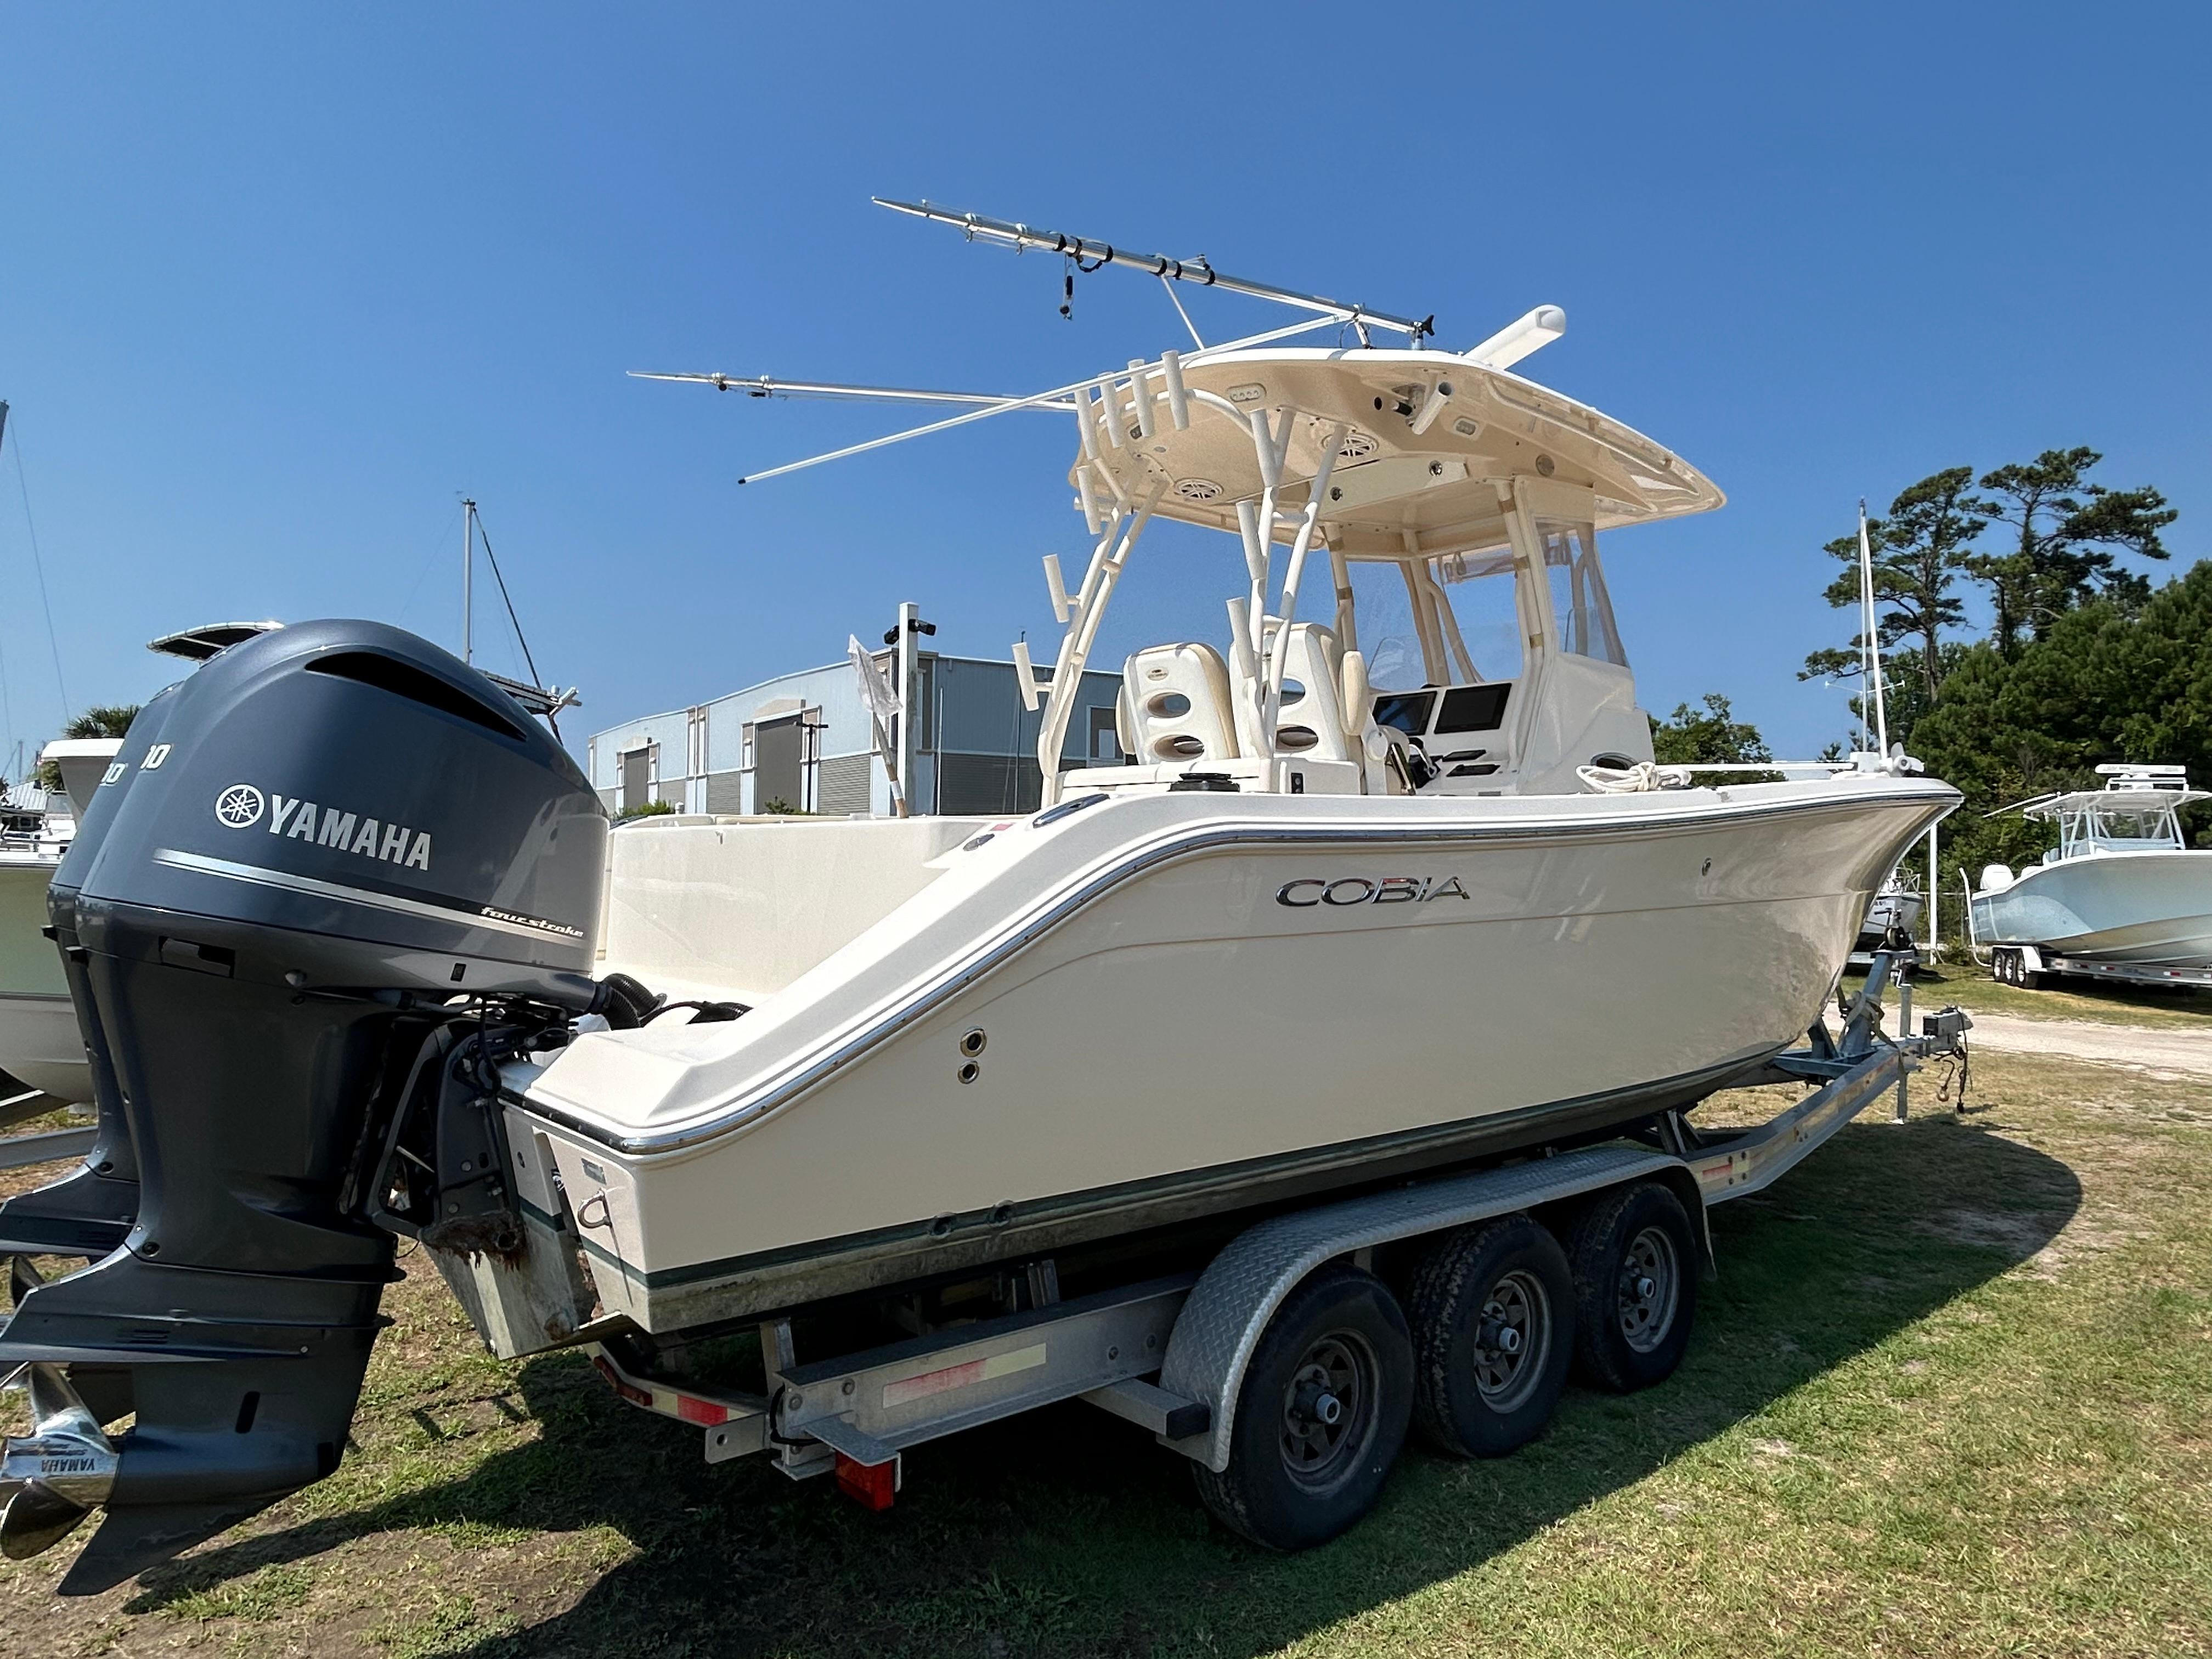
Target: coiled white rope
{"points": [[1639, 778]]}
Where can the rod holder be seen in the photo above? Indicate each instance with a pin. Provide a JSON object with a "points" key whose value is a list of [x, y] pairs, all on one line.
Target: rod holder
{"points": [[1025, 679], [1110, 412], [1140, 391], [1062, 606], [1178, 399]]}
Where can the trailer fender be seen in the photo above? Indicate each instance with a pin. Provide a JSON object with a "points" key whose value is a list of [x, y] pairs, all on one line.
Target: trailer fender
{"points": [[1220, 1324]]}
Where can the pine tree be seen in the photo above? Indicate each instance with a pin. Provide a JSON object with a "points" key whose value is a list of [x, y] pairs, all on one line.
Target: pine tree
{"points": [[2066, 535]]}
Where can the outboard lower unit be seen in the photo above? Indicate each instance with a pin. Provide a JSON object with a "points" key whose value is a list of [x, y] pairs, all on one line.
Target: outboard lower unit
{"points": [[335, 877]]}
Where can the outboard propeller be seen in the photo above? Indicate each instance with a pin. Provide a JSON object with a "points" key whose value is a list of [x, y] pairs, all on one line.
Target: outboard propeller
{"points": [[54, 1475], [331, 856]]}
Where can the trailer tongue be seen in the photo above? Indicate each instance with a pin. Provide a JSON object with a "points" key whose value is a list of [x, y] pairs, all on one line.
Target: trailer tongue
{"points": [[347, 875]]}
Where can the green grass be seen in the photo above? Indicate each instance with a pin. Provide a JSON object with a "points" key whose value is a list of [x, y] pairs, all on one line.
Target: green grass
{"points": [[1947, 1397], [1971, 989]]}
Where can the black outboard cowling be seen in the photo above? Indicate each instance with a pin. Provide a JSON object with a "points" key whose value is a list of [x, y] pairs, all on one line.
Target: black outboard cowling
{"points": [[335, 861]]}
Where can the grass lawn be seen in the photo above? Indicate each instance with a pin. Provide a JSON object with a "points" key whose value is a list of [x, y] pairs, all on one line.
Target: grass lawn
{"points": [[1948, 1398], [1971, 989]]}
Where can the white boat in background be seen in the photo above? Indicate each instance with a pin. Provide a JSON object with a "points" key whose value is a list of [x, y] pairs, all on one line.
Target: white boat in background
{"points": [[1896, 909], [1889, 923], [2122, 892], [40, 1046]]}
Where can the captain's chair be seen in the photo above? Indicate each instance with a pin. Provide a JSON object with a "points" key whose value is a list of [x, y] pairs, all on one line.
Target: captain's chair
{"points": [[1179, 710]]}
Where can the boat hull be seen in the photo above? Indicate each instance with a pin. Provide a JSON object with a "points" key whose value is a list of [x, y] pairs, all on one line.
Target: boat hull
{"points": [[1181, 1005], [41, 1048], [39, 1043], [2154, 909]]}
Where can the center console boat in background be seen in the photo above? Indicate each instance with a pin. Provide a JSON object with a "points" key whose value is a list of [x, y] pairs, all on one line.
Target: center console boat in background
{"points": [[39, 1046], [1383, 895], [2123, 896]]}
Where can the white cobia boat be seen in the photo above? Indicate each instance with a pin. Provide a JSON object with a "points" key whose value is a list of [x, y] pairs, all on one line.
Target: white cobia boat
{"points": [[40, 1046], [2123, 886], [1329, 925]]}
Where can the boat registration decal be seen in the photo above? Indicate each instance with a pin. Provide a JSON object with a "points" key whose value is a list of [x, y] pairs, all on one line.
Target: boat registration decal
{"points": [[1310, 890], [963, 1375]]}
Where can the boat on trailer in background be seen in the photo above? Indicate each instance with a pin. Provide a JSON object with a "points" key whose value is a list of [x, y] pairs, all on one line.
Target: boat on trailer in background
{"points": [[2122, 897], [1212, 1092], [39, 1047]]}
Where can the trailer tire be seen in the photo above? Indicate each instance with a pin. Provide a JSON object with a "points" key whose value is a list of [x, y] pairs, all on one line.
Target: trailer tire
{"points": [[1636, 1287], [1506, 1280], [1321, 1416]]}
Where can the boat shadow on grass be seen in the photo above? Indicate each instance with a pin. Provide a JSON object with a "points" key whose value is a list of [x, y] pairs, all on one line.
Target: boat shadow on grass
{"points": [[1068, 1531]]}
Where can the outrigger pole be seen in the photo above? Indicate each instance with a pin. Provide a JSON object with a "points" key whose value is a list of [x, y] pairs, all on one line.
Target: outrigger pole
{"points": [[1543, 324], [763, 386], [1089, 255]]}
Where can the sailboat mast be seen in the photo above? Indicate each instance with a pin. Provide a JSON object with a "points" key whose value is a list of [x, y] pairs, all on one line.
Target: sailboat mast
{"points": [[468, 573]]}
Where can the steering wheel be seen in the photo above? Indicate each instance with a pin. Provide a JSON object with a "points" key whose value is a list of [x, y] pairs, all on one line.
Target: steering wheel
{"points": [[1420, 770]]}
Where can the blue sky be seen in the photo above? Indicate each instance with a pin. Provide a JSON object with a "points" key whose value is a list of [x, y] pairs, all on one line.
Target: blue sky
{"points": [[276, 284]]}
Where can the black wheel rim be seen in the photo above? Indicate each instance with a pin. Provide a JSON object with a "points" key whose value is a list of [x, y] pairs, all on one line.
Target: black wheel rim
{"points": [[1329, 1410], [1650, 1284], [1512, 1341]]}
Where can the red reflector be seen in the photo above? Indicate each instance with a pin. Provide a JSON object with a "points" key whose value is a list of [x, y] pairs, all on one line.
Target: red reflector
{"points": [[873, 1484], [701, 1411], [635, 1395]]}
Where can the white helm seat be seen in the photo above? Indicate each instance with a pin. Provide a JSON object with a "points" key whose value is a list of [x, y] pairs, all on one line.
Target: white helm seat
{"points": [[1179, 705], [1310, 724]]}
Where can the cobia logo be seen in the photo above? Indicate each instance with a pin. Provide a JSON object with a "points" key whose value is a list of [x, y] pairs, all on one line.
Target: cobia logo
{"points": [[242, 806], [1310, 890]]}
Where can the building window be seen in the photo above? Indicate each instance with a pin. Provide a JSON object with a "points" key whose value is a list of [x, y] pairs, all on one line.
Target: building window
{"points": [[1105, 748]]}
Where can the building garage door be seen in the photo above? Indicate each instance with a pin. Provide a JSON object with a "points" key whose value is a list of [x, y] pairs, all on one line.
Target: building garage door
{"points": [[968, 785], [779, 762]]}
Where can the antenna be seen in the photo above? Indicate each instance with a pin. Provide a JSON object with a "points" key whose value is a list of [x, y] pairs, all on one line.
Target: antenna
{"points": [[1870, 652], [468, 577], [1090, 256]]}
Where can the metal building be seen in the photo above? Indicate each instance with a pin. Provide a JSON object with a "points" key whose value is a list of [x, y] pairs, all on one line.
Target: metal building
{"points": [[803, 742]]}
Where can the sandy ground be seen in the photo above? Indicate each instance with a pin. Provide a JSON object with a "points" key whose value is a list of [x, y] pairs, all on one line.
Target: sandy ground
{"points": [[2175, 1055]]}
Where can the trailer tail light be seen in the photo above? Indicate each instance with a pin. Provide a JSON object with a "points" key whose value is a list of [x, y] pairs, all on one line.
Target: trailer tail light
{"points": [[629, 1391], [873, 1486], [667, 1402]]}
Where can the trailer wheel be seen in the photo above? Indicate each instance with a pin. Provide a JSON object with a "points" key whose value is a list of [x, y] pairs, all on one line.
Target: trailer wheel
{"points": [[1493, 1331], [1321, 1416], [1636, 1287]]}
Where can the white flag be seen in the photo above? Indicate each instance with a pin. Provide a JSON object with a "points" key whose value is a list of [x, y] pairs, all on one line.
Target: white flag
{"points": [[875, 690]]}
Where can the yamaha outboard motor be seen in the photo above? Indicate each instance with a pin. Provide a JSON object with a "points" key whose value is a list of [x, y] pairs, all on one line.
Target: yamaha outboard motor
{"points": [[337, 877]]}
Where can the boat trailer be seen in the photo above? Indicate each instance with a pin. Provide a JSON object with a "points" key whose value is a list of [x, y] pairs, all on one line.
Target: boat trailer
{"points": [[21, 1152], [1170, 1354]]}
